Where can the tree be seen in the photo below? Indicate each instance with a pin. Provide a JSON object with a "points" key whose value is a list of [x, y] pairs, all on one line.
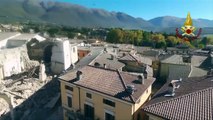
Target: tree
{"points": [[138, 37], [52, 31], [187, 43], [146, 39], [115, 36], [158, 40], [171, 41], [201, 46], [70, 35]]}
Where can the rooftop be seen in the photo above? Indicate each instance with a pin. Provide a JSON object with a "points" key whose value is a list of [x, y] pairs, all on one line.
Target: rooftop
{"points": [[6, 35], [136, 58], [110, 82], [109, 60], [175, 72], [187, 102], [24, 37], [177, 59], [194, 106]]}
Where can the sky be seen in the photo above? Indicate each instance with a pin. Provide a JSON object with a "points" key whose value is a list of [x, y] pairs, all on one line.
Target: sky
{"points": [[148, 9]]}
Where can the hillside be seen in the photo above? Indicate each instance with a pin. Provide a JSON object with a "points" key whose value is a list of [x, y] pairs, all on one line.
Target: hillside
{"points": [[78, 16]]}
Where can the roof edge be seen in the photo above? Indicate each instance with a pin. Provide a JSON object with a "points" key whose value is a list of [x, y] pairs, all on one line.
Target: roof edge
{"points": [[124, 85]]}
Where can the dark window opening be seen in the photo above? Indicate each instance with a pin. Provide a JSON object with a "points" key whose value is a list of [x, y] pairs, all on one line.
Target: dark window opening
{"points": [[109, 116], [69, 101], [88, 112], [108, 102], [68, 88], [89, 95]]}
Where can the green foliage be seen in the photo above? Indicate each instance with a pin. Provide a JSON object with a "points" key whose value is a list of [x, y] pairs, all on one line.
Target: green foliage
{"points": [[201, 46], [115, 36], [158, 41], [187, 43], [70, 35], [53, 31], [125, 36]]}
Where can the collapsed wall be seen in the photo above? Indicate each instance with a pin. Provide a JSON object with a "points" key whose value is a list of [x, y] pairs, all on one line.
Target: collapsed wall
{"points": [[15, 61]]}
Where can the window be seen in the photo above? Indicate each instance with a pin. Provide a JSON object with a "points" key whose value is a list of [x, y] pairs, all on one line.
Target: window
{"points": [[69, 101], [88, 95], [109, 115], [89, 112], [68, 88], [108, 102]]}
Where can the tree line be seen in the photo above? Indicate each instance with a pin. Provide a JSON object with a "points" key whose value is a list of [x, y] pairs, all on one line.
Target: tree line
{"points": [[156, 40]]}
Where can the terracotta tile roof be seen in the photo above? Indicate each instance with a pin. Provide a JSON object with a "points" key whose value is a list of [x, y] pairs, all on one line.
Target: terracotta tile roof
{"points": [[194, 106], [129, 57], [109, 82], [136, 58], [193, 95], [105, 58]]}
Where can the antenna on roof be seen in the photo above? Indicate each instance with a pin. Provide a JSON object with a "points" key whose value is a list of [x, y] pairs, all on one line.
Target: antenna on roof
{"points": [[172, 87], [130, 89]]}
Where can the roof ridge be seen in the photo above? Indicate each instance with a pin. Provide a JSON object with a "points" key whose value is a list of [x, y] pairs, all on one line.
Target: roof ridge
{"points": [[108, 69], [95, 57], [124, 85], [179, 97], [133, 57]]}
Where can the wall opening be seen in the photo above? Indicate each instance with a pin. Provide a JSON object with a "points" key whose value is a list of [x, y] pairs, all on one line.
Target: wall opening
{"points": [[47, 54]]}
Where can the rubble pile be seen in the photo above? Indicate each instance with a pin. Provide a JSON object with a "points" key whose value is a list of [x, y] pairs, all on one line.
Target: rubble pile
{"points": [[18, 88], [28, 64], [4, 107], [30, 93]]}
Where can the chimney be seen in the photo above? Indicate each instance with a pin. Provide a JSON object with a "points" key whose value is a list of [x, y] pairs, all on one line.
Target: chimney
{"points": [[105, 66], [79, 75], [130, 89], [141, 79], [171, 91]]}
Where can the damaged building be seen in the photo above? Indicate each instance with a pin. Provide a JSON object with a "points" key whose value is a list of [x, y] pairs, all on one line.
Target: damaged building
{"points": [[58, 55], [16, 70], [13, 53]]}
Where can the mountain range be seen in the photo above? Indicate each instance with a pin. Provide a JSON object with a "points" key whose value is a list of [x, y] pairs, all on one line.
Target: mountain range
{"points": [[79, 16]]}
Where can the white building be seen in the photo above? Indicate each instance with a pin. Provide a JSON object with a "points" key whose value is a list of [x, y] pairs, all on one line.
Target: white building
{"points": [[15, 39], [15, 59], [63, 55], [23, 39]]}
